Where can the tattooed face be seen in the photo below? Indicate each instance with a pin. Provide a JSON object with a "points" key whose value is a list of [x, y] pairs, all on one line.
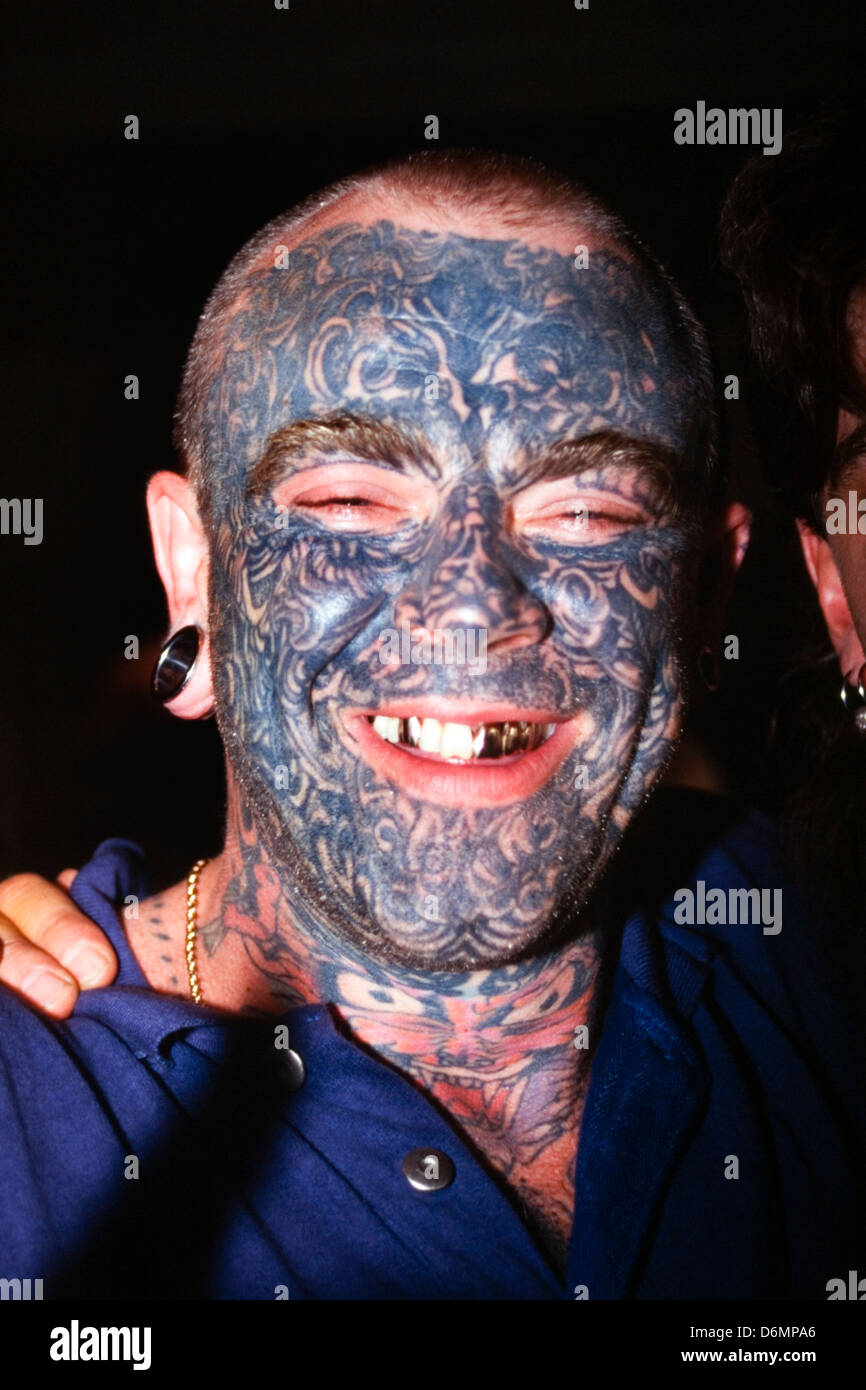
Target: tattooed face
{"points": [[417, 434]]}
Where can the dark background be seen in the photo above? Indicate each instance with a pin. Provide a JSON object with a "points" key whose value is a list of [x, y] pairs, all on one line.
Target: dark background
{"points": [[113, 245]]}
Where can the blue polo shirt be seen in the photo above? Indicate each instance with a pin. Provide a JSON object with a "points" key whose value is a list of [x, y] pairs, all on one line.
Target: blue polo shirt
{"points": [[153, 1148]]}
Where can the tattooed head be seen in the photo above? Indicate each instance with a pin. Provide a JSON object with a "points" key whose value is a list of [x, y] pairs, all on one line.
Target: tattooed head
{"points": [[452, 453]]}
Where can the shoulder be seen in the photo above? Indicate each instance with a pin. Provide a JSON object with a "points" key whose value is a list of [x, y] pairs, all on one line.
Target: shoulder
{"points": [[777, 974], [712, 878], [44, 1067], [706, 862], [146, 930], [738, 893]]}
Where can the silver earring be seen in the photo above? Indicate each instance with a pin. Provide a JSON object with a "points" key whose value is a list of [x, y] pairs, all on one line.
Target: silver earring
{"points": [[175, 663], [847, 698]]}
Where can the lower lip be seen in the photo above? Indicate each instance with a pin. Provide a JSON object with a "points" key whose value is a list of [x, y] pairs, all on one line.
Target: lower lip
{"points": [[487, 782]]}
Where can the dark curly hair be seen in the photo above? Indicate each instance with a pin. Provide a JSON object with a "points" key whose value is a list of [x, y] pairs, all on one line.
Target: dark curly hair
{"points": [[793, 233]]}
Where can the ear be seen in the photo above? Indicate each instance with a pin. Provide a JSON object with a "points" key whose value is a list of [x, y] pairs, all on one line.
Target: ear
{"points": [[725, 549], [182, 558], [824, 574]]}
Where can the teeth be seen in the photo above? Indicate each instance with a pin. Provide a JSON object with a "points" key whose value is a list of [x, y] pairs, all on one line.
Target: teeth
{"points": [[462, 742], [431, 736], [511, 740], [492, 741], [456, 741], [387, 728]]}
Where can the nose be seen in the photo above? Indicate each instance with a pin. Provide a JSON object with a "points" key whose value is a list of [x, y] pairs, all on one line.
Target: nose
{"points": [[465, 580]]}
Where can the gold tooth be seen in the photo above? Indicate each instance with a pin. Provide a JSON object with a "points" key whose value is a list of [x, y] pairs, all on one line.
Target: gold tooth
{"points": [[492, 741]]}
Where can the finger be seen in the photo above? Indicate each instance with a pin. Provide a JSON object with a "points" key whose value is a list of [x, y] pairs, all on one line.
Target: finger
{"points": [[43, 914], [67, 878], [29, 970]]}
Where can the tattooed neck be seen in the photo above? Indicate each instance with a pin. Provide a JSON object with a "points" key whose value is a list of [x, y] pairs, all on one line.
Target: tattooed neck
{"points": [[248, 913], [504, 1053]]}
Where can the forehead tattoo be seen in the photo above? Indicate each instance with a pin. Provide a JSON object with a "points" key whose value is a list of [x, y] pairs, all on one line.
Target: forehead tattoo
{"points": [[488, 347]]}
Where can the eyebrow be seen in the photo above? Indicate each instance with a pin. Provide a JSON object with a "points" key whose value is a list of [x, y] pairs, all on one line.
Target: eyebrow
{"points": [[566, 458], [353, 437], [365, 438]]}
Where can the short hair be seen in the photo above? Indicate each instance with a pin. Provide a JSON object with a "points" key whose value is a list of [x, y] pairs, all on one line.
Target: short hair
{"points": [[792, 233], [516, 192]]}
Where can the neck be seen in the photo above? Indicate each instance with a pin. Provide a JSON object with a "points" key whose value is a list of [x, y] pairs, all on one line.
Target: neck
{"points": [[262, 948], [501, 1051]]}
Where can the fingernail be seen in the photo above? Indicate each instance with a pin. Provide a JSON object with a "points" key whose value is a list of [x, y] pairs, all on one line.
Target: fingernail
{"points": [[47, 988], [87, 964]]}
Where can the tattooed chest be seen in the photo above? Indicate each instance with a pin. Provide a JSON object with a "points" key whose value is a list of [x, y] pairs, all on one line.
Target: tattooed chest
{"points": [[507, 1072], [527, 1133]]}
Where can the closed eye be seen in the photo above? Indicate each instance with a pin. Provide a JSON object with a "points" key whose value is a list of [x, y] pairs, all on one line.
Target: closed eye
{"points": [[353, 513], [587, 510], [341, 502], [359, 498], [583, 522]]}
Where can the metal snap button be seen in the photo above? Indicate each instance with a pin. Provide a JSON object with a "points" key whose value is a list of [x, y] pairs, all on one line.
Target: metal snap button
{"points": [[291, 1068], [428, 1169]]}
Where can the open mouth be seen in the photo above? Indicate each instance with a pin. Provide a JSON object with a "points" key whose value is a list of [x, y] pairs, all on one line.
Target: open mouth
{"points": [[461, 743], [464, 753]]}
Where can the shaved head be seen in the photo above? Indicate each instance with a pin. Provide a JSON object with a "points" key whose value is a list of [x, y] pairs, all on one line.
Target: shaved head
{"points": [[479, 196]]}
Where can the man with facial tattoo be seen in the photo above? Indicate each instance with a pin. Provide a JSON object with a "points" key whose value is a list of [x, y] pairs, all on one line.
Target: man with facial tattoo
{"points": [[418, 1031]]}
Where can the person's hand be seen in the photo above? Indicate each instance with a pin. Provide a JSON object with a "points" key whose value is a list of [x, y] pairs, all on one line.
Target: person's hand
{"points": [[48, 949]]}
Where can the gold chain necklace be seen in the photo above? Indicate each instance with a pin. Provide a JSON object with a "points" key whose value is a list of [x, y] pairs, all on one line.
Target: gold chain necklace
{"points": [[192, 928]]}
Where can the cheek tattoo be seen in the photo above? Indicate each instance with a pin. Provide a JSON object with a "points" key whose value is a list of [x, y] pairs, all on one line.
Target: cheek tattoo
{"points": [[486, 354]]}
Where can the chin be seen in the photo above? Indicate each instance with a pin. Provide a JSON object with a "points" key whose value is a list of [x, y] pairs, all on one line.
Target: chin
{"points": [[453, 915], [461, 949]]}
